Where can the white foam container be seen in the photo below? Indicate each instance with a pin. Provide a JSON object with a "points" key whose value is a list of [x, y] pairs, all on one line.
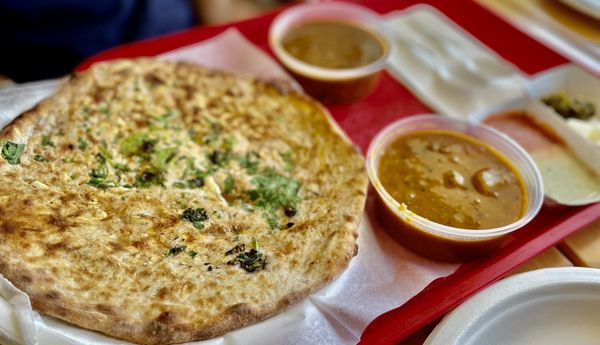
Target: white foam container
{"points": [[575, 82]]}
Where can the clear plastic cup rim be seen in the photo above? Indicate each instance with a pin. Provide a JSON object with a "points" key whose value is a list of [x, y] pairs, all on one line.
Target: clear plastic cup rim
{"points": [[347, 12], [535, 192]]}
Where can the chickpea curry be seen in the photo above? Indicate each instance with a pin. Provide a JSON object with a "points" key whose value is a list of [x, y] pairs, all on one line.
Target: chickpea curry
{"points": [[452, 179]]}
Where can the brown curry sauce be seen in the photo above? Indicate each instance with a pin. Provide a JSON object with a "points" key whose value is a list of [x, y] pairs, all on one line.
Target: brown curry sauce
{"points": [[450, 179], [333, 44], [336, 45], [453, 180]]}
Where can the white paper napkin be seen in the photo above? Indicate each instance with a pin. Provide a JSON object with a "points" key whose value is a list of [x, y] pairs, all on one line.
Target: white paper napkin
{"points": [[383, 276]]}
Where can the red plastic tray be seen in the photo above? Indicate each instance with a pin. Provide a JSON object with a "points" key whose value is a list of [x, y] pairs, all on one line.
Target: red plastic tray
{"points": [[390, 101]]}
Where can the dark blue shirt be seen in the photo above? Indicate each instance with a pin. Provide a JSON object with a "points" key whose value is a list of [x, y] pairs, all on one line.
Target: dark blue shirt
{"points": [[43, 39]]}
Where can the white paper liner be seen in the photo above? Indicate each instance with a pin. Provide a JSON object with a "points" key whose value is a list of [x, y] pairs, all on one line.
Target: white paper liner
{"points": [[15, 308], [20, 97], [231, 51], [381, 277]]}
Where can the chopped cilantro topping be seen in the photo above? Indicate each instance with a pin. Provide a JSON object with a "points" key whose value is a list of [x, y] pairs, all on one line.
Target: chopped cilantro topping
{"points": [[195, 216], [250, 162], [220, 158], [229, 142], [229, 184], [192, 254], [271, 219], [274, 191], [122, 167], [175, 250], [46, 141], [160, 158], [82, 144], [100, 158], [213, 136], [197, 174], [149, 178], [196, 182], [180, 185], [255, 244], [101, 183], [98, 175], [104, 110], [139, 144], [11, 151], [168, 116], [103, 148], [163, 121], [39, 158], [192, 134], [251, 261], [289, 160]]}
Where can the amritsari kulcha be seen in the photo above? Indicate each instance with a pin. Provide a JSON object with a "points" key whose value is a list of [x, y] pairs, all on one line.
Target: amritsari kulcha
{"points": [[161, 202]]}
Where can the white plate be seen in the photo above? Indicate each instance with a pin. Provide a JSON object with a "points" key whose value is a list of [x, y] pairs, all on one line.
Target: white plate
{"points": [[554, 306], [588, 7]]}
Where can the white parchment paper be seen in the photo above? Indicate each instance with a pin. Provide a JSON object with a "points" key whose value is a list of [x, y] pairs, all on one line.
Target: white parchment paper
{"points": [[382, 276]]}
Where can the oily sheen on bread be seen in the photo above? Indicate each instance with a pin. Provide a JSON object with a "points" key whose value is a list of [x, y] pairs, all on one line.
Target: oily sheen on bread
{"points": [[161, 202]]}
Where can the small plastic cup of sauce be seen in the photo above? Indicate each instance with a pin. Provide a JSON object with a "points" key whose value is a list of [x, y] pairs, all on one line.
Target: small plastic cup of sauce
{"points": [[335, 50], [439, 240]]}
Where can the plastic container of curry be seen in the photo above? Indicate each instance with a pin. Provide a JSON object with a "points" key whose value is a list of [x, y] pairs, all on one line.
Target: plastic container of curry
{"points": [[490, 195], [335, 50]]}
